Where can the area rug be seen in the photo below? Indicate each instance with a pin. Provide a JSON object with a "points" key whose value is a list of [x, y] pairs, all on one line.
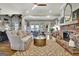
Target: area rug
{"points": [[51, 49]]}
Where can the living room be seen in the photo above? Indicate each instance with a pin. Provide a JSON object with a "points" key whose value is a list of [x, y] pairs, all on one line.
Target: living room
{"points": [[39, 29]]}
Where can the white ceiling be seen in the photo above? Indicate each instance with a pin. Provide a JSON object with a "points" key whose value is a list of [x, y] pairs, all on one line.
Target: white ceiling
{"points": [[26, 8]]}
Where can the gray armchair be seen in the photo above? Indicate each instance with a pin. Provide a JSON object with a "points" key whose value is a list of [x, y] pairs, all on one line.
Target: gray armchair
{"points": [[18, 44]]}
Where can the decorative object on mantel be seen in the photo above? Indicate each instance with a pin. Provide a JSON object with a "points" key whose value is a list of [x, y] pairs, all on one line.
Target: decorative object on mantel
{"points": [[71, 43], [77, 42]]}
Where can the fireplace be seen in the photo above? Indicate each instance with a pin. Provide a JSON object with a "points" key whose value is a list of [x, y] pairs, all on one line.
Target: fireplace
{"points": [[66, 36]]}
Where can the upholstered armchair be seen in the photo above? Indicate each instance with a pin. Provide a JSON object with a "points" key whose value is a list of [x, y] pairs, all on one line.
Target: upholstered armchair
{"points": [[16, 43]]}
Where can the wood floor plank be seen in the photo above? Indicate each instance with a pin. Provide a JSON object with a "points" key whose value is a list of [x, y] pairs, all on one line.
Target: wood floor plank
{"points": [[5, 48]]}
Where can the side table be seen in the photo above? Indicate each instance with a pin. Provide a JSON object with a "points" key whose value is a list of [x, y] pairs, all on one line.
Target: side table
{"points": [[40, 41]]}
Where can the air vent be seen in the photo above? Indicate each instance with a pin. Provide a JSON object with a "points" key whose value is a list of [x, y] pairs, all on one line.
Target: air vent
{"points": [[40, 4]]}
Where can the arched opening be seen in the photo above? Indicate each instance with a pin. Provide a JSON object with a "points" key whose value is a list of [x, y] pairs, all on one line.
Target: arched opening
{"points": [[68, 12]]}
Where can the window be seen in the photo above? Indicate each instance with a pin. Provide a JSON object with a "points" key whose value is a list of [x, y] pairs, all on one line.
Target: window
{"points": [[34, 27], [37, 27]]}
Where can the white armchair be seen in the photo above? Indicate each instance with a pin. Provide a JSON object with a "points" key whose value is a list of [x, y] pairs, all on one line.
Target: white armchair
{"points": [[16, 43]]}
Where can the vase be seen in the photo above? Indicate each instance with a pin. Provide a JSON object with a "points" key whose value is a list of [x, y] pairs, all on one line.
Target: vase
{"points": [[71, 43]]}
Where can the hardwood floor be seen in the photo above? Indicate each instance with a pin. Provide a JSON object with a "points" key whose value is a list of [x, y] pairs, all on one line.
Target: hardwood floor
{"points": [[5, 49], [52, 48]]}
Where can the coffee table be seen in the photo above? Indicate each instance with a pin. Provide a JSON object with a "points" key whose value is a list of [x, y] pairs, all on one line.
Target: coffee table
{"points": [[40, 41]]}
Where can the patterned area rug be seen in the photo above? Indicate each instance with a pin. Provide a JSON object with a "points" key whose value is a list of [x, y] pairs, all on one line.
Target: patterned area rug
{"points": [[51, 49]]}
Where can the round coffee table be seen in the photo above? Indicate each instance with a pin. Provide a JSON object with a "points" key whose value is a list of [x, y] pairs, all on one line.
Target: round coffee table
{"points": [[40, 41]]}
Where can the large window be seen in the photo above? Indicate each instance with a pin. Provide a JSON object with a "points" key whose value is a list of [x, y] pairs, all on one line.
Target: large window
{"points": [[32, 27], [35, 28]]}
